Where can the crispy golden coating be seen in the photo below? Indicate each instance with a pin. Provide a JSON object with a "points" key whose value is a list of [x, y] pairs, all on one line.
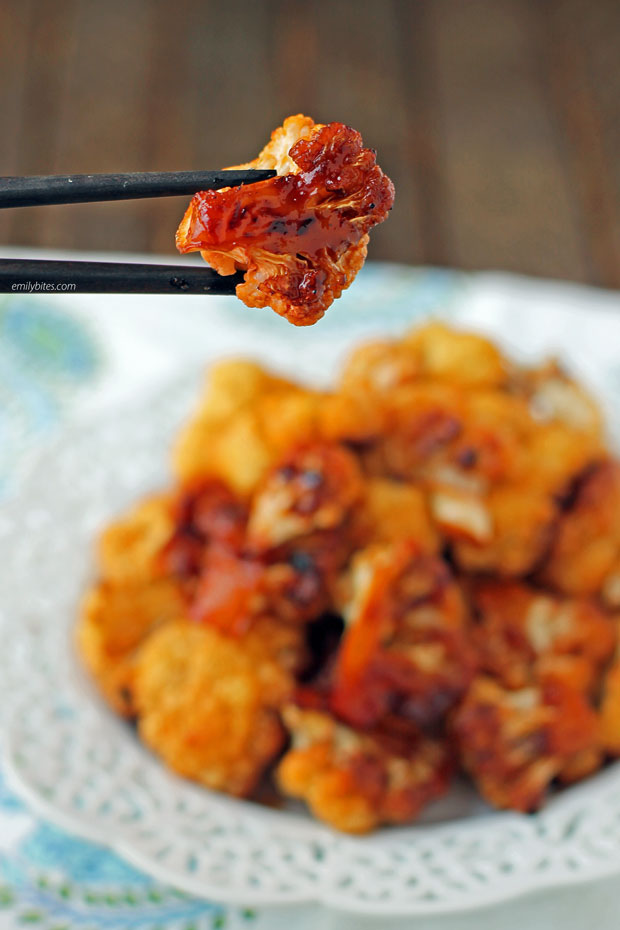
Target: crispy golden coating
{"points": [[355, 780], [393, 511], [114, 622], [585, 557], [208, 703], [433, 352], [610, 708], [515, 537], [302, 236], [226, 437], [404, 646], [456, 356], [514, 743], [130, 547]]}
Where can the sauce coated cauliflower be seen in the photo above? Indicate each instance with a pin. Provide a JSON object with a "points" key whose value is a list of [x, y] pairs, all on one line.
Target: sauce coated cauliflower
{"points": [[357, 780], [302, 236], [358, 591]]}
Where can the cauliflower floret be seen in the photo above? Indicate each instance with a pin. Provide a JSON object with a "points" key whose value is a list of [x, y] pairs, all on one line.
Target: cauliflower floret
{"points": [[610, 706], [355, 780], [396, 510], [300, 237], [299, 534], [208, 704], [515, 743], [233, 590], [585, 557], [225, 438], [206, 513], [521, 633], [312, 492], [379, 368], [114, 621], [521, 521], [555, 397], [129, 549], [404, 647], [457, 356]]}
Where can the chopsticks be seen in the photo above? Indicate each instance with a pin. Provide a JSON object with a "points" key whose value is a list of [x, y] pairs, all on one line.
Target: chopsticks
{"points": [[35, 276], [93, 188], [40, 276]]}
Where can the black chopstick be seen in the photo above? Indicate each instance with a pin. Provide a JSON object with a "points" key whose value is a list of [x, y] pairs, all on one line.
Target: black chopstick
{"points": [[91, 188], [35, 276]]}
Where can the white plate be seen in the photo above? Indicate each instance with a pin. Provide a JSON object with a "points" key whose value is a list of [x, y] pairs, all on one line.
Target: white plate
{"points": [[81, 767]]}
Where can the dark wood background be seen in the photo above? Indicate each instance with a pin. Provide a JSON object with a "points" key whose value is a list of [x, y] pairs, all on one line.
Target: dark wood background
{"points": [[499, 120]]}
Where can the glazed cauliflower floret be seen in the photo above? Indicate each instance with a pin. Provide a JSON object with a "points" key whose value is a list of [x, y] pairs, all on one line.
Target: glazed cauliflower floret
{"points": [[556, 397], [302, 236], [585, 557], [404, 647], [233, 589], [312, 492], [114, 622], [357, 780], [515, 743], [206, 513], [208, 704], [522, 633], [299, 534]]}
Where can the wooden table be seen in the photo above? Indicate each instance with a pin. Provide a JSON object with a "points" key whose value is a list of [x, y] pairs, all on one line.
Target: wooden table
{"points": [[499, 120]]}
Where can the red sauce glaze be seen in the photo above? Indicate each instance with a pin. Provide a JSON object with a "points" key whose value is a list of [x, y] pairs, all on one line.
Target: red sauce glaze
{"points": [[228, 587], [412, 601], [205, 513], [313, 216]]}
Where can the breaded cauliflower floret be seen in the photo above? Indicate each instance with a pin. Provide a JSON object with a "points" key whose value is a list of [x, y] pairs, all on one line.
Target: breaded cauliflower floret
{"points": [[396, 510], [355, 780], [404, 647], [208, 704], [519, 529], [521, 633], [515, 743], [457, 356], [377, 368], [555, 397], [129, 549], [114, 622], [609, 709], [302, 236], [585, 558], [225, 436]]}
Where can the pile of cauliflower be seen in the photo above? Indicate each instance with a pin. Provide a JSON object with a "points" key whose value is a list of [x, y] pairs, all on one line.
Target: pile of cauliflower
{"points": [[359, 593]]}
